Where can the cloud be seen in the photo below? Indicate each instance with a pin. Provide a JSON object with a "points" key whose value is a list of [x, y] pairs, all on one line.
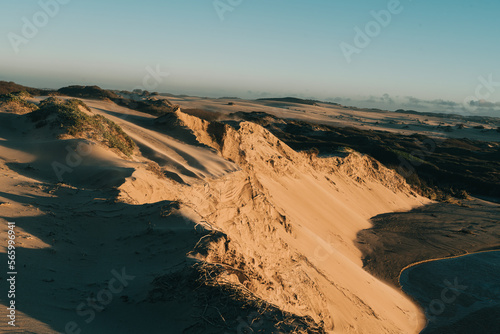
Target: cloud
{"points": [[443, 103], [371, 99], [485, 104], [387, 99], [414, 100], [339, 99], [430, 103], [422, 105]]}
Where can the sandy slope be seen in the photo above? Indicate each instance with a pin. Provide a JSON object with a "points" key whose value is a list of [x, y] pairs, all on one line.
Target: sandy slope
{"points": [[285, 221], [320, 205]]}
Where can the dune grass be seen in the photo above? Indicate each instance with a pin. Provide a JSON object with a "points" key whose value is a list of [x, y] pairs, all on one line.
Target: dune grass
{"points": [[17, 102], [68, 116]]}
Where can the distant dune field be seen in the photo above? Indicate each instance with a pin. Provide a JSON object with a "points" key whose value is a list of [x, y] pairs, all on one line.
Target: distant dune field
{"points": [[205, 222]]}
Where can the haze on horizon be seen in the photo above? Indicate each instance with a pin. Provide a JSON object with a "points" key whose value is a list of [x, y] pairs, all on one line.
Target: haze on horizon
{"points": [[428, 56]]}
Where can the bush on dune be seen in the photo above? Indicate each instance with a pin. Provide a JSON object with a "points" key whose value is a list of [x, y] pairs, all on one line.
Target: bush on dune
{"points": [[153, 107], [12, 87], [16, 102], [68, 116], [150, 105], [87, 92]]}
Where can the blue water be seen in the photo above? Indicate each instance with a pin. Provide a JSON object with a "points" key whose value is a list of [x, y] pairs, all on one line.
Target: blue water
{"points": [[459, 295]]}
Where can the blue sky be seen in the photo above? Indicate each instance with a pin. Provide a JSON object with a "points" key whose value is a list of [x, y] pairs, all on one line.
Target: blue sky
{"points": [[429, 52]]}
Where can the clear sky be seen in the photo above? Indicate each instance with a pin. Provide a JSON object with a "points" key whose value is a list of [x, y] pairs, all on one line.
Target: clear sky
{"points": [[428, 53]]}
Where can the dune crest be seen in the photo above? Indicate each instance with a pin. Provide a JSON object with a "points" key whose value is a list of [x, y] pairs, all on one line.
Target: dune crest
{"points": [[286, 223]]}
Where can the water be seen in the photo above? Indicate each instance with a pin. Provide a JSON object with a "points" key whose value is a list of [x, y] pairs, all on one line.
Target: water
{"points": [[459, 295]]}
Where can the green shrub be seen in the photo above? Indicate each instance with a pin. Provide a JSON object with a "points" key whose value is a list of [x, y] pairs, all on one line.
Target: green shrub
{"points": [[18, 99], [67, 116]]}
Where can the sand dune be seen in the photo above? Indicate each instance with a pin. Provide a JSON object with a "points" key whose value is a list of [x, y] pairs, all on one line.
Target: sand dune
{"points": [[309, 194], [272, 223]]}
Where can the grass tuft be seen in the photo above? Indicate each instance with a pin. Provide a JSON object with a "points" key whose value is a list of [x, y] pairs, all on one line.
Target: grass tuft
{"points": [[68, 116], [17, 102]]}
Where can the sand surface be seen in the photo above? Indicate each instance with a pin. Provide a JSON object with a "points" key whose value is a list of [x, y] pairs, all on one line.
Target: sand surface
{"points": [[459, 295], [439, 230], [264, 223]]}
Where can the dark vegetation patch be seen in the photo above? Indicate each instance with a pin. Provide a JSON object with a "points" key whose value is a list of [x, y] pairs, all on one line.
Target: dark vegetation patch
{"points": [[88, 92], [152, 106], [217, 130], [437, 169], [7, 87], [229, 98], [67, 116], [10, 87], [291, 100], [139, 92], [155, 107], [456, 117], [296, 100], [257, 117], [203, 114], [225, 307], [438, 230]]}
